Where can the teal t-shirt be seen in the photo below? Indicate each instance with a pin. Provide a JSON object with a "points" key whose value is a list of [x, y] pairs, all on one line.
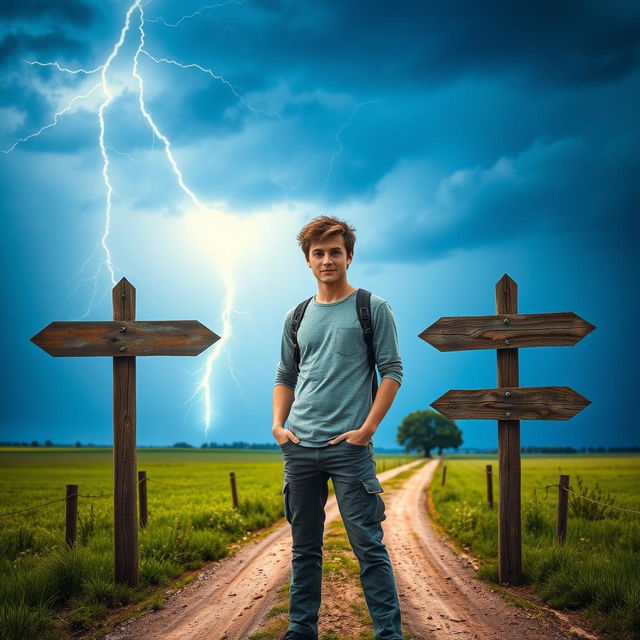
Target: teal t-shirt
{"points": [[333, 389]]}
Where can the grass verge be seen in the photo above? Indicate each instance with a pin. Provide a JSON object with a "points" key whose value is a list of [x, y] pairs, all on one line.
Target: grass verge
{"points": [[597, 570]]}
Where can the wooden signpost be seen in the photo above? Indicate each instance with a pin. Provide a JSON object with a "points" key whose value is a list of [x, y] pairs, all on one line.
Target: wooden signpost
{"points": [[509, 403], [124, 339]]}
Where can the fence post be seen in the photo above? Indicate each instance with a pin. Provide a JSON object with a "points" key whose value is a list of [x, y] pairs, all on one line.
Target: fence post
{"points": [[444, 475], [563, 500], [72, 516], [142, 498], [234, 491], [489, 486]]}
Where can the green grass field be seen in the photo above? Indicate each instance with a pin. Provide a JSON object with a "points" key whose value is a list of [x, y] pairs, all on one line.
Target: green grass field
{"points": [[48, 591], [597, 570]]}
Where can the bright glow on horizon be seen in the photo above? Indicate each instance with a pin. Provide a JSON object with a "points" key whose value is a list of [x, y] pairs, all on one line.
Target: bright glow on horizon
{"points": [[225, 248]]}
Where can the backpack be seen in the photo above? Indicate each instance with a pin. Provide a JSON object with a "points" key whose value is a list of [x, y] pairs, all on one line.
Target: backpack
{"points": [[363, 305]]}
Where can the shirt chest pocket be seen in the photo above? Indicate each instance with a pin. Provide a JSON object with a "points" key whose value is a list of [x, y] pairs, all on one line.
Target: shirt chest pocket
{"points": [[346, 340]]}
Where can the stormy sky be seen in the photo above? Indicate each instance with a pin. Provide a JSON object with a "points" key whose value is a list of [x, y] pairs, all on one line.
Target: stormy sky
{"points": [[183, 145]]}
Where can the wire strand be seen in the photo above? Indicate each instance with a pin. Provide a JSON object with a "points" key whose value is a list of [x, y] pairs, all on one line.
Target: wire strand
{"points": [[604, 504], [37, 506], [179, 486]]}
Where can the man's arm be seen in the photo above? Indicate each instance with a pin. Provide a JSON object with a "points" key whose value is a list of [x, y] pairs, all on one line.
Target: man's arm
{"points": [[384, 399], [283, 390], [282, 400]]}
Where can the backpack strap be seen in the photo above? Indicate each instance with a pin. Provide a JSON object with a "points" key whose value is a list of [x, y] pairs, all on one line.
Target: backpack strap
{"points": [[363, 305], [295, 325]]}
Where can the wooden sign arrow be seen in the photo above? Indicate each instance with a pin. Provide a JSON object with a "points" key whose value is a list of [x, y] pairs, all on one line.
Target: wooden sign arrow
{"points": [[507, 331], [511, 403], [125, 338]]}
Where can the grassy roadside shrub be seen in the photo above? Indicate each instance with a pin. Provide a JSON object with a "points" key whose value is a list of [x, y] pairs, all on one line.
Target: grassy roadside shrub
{"points": [[597, 570], [19, 620], [590, 509]]}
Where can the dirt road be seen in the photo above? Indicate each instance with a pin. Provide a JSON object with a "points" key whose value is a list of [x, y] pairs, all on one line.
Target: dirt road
{"points": [[439, 596], [231, 597]]}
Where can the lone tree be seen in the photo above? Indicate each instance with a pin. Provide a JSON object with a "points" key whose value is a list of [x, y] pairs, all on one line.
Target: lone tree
{"points": [[425, 430]]}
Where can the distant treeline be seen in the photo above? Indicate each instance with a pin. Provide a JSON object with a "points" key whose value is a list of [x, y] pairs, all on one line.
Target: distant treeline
{"points": [[272, 445], [580, 449], [177, 445], [238, 445], [49, 443], [565, 450]]}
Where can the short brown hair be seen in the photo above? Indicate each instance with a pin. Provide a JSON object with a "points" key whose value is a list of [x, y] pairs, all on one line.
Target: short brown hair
{"points": [[322, 228]]}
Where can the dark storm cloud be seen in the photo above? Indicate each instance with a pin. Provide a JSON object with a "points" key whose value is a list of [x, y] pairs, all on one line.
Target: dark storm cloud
{"points": [[566, 189], [376, 43], [73, 11], [15, 45], [556, 42], [501, 135], [442, 73]]}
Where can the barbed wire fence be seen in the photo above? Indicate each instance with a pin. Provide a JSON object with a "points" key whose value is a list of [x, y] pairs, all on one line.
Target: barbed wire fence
{"points": [[102, 495], [110, 495], [580, 497]]}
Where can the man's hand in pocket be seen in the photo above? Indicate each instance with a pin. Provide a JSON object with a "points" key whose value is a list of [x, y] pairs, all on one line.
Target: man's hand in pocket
{"points": [[282, 435]]}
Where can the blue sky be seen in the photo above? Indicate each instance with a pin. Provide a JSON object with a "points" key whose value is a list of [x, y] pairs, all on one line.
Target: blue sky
{"points": [[463, 141]]}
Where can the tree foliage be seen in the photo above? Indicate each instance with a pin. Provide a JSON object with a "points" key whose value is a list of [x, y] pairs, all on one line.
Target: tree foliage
{"points": [[426, 429]]}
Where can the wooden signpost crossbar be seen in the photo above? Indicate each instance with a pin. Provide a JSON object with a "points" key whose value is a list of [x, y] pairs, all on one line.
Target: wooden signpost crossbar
{"points": [[124, 339], [509, 403]]}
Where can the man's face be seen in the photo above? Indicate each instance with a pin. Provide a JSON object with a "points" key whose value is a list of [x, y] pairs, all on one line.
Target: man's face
{"points": [[328, 260]]}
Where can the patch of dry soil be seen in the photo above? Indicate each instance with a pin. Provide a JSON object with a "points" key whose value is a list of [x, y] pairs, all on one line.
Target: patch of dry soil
{"points": [[439, 595], [230, 598]]}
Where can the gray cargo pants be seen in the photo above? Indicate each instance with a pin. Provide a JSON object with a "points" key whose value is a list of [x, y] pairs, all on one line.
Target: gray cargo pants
{"points": [[353, 472]]}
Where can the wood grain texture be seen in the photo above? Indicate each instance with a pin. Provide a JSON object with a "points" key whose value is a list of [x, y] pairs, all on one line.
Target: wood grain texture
{"points": [[142, 498], [511, 403], [125, 338], [71, 519], [124, 447], [506, 331], [489, 474], [509, 466], [563, 502]]}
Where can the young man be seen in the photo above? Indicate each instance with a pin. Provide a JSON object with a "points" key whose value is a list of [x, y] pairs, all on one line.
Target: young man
{"points": [[331, 419]]}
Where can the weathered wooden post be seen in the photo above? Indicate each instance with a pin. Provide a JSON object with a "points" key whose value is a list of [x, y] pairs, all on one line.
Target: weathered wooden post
{"points": [[490, 486], [142, 496], [508, 404], [125, 520], [444, 475], [563, 503], [125, 338], [71, 520], [234, 490]]}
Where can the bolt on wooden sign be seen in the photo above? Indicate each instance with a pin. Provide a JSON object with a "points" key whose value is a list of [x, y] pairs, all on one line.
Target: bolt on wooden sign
{"points": [[507, 331], [124, 338]]}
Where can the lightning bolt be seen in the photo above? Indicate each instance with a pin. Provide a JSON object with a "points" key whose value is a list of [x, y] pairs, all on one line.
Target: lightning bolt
{"points": [[195, 14], [55, 120], [56, 65], [340, 148], [135, 10], [215, 76], [103, 151], [203, 387]]}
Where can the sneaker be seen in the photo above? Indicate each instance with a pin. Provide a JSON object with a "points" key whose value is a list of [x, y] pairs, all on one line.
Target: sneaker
{"points": [[296, 635]]}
